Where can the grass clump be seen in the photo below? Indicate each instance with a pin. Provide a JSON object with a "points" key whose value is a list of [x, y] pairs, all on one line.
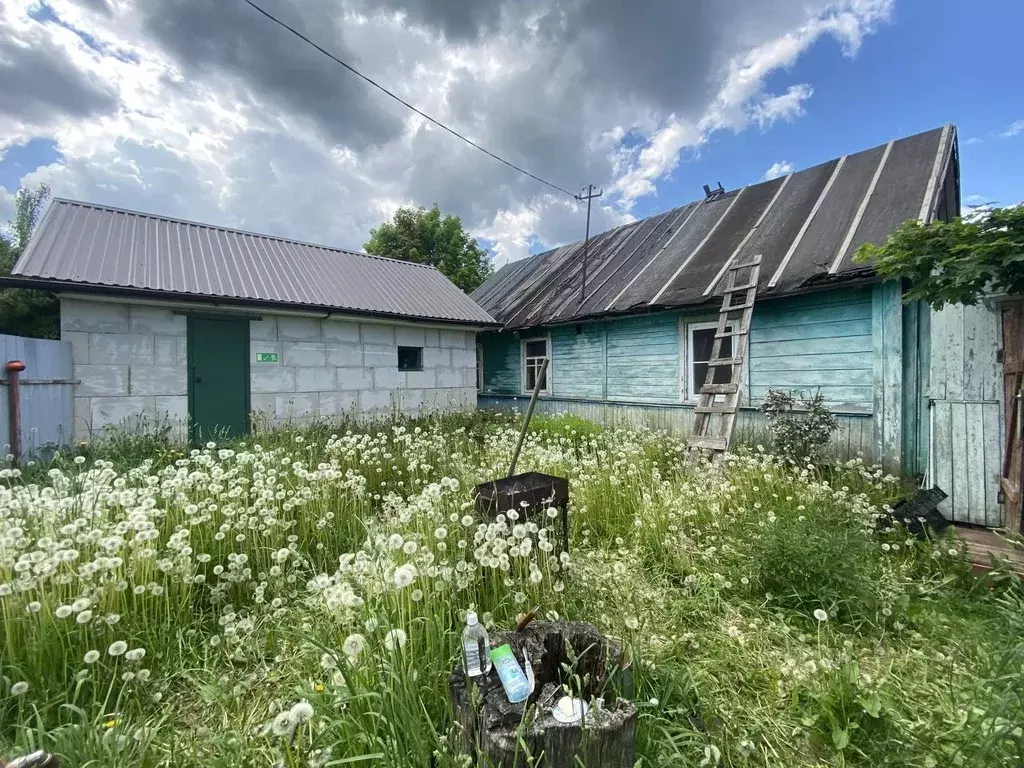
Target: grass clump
{"points": [[296, 599]]}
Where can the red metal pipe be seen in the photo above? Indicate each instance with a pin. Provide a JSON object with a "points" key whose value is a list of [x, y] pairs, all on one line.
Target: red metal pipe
{"points": [[14, 369]]}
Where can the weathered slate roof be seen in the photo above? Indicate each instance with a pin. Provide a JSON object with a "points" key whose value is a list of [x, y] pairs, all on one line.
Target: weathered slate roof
{"points": [[84, 246], [806, 226]]}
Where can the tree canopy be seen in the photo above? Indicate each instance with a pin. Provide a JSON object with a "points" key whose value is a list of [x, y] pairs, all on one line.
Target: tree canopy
{"points": [[954, 262], [425, 237], [24, 312]]}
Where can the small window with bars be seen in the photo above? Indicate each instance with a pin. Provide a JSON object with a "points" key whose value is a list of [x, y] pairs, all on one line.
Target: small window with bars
{"points": [[534, 353]]}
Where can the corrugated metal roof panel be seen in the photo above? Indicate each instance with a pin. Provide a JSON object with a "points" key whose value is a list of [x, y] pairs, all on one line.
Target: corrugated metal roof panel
{"points": [[805, 236], [99, 246]]}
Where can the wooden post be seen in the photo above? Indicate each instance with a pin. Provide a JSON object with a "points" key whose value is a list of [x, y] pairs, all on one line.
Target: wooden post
{"points": [[529, 415], [14, 369]]}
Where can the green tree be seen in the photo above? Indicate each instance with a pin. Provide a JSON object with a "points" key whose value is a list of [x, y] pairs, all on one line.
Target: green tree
{"points": [[24, 312], [424, 237], [954, 262]]}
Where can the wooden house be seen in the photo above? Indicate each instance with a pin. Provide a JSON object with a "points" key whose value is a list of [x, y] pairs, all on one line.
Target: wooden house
{"points": [[628, 321]]}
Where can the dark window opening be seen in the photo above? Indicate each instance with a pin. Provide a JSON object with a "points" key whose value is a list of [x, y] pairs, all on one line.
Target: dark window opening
{"points": [[410, 358]]}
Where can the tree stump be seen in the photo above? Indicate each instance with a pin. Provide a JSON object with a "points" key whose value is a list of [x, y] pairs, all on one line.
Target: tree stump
{"points": [[494, 731]]}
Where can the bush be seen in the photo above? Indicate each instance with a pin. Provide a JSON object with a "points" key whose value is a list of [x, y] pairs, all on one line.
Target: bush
{"points": [[798, 426]]}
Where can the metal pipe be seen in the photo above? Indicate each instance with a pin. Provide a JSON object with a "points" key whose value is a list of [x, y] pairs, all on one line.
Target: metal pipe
{"points": [[529, 415], [14, 369]]}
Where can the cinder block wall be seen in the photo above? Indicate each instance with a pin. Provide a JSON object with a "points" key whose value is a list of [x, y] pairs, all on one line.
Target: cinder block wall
{"points": [[334, 367], [131, 363]]}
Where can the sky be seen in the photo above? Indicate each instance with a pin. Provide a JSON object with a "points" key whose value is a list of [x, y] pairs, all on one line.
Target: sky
{"points": [[208, 111]]}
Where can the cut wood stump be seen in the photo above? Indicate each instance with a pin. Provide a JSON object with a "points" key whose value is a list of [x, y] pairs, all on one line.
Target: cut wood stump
{"points": [[499, 734]]}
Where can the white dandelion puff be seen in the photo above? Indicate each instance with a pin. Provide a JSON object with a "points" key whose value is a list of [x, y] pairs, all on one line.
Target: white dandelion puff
{"points": [[395, 639], [117, 648]]}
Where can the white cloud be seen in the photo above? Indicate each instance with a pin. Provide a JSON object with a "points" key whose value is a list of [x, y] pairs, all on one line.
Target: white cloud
{"points": [[1013, 129], [783, 106], [207, 111], [778, 168]]}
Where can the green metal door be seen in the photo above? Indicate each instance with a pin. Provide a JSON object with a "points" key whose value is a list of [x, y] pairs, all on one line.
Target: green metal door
{"points": [[218, 380]]}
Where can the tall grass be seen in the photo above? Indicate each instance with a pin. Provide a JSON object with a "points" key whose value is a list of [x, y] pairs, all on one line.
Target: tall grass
{"points": [[296, 598]]}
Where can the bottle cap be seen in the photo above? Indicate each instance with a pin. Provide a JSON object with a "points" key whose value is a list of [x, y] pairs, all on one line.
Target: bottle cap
{"points": [[470, 618]]}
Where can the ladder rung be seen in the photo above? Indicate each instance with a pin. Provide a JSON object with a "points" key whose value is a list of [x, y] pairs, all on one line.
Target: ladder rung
{"points": [[746, 265], [726, 361], [740, 332], [737, 307], [720, 389], [715, 409], [746, 287], [708, 443]]}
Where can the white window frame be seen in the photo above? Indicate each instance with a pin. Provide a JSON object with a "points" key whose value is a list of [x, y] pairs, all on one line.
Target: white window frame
{"points": [[690, 389], [522, 364]]}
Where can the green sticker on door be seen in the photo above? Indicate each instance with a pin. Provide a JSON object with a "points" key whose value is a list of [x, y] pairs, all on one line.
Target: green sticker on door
{"points": [[266, 357]]}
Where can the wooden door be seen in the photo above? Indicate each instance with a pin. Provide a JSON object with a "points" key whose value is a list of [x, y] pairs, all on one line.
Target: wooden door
{"points": [[1013, 381]]}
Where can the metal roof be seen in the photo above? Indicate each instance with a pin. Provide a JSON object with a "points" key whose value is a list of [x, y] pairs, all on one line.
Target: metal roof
{"points": [[91, 246], [805, 225]]}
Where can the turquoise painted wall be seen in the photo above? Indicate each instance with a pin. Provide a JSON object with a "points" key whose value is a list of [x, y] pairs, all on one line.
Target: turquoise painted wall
{"points": [[643, 359], [797, 343], [819, 340]]}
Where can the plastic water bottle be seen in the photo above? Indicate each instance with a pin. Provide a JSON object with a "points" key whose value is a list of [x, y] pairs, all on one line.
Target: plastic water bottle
{"points": [[476, 647]]}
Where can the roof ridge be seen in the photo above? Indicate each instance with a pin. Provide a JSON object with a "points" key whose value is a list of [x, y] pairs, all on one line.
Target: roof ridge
{"points": [[236, 231]]}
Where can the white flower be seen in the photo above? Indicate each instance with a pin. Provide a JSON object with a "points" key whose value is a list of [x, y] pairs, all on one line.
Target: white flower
{"points": [[19, 689], [395, 639], [354, 645], [409, 547], [117, 648], [405, 575], [302, 712], [84, 617], [633, 622], [820, 615], [135, 654], [63, 611], [327, 661], [91, 657], [416, 595], [283, 725]]}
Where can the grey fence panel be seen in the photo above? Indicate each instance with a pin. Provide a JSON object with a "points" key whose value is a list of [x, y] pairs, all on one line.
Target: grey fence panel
{"points": [[47, 392]]}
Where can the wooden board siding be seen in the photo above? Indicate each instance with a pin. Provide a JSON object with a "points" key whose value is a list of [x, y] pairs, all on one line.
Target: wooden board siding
{"points": [[821, 340], [643, 359], [966, 400], [581, 360], [916, 376], [501, 363], [887, 373], [854, 437]]}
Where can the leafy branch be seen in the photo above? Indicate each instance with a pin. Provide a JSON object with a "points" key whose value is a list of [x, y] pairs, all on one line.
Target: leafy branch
{"points": [[958, 261]]}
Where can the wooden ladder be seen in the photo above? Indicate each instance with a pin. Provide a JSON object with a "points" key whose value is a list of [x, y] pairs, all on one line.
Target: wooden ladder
{"points": [[711, 433]]}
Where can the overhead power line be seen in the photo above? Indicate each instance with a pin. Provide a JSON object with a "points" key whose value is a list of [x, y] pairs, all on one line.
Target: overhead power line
{"points": [[405, 103]]}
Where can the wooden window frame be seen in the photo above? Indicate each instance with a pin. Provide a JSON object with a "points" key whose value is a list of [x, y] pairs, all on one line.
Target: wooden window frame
{"points": [[522, 364], [689, 390]]}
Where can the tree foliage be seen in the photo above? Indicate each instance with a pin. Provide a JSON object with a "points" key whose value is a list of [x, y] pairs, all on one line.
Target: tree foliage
{"points": [[425, 237], [958, 261], [24, 312]]}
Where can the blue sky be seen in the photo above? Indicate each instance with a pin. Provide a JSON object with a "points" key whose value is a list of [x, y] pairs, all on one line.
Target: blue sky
{"points": [[138, 116], [935, 63]]}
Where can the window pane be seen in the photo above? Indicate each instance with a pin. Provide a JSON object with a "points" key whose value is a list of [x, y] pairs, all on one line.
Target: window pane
{"points": [[700, 372], [537, 348], [703, 339], [410, 358]]}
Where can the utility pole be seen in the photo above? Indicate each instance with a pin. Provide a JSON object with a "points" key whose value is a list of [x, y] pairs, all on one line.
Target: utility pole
{"points": [[590, 195]]}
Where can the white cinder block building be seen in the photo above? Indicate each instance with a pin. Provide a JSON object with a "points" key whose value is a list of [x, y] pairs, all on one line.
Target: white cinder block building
{"points": [[209, 328]]}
